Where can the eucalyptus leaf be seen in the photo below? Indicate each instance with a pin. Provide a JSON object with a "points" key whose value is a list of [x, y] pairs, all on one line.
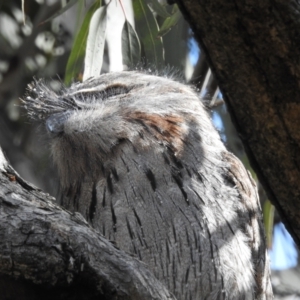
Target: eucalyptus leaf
{"points": [[95, 44], [131, 48], [158, 8], [147, 29], [113, 44], [169, 23], [23, 10], [268, 215], [62, 10], [76, 58]]}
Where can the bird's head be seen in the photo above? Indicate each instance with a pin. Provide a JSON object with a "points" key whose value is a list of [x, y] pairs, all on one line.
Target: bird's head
{"points": [[90, 121]]}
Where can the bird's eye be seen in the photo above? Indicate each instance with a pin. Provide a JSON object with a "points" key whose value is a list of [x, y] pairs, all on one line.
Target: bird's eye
{"points": [[115, 90], [90, 94]]}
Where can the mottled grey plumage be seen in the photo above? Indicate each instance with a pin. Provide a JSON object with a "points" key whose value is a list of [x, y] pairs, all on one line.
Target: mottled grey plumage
{"points": [[139, 158]]}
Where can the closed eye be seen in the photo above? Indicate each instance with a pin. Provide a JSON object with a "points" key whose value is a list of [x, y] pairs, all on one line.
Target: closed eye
{"points": [[113, 90], [116, 89]]}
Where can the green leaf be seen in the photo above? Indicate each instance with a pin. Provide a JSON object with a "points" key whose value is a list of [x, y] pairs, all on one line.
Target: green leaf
{"points": [[80, 14], [268, 214], [147, 30], [170, 22], [76, 58], [62, 10], [158, 8], [95, 44], [131, 48]]}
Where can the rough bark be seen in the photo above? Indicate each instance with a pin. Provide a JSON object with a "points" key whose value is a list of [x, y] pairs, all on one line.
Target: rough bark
{"points": [[253, 50], [47, 252]]}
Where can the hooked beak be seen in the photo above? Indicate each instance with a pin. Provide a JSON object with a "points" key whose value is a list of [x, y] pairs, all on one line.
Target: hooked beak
{"points": [[55, 123]]}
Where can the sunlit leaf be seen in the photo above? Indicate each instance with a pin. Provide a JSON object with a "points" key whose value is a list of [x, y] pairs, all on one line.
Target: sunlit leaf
{"points": [[147, 29], [76, 58], [170, 22], [268, 214], [95, 44], [131, 48], [159, 8], [116, 16], [62, 10]]}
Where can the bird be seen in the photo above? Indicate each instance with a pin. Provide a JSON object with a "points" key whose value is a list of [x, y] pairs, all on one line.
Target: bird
{"points": [[138, 156]]}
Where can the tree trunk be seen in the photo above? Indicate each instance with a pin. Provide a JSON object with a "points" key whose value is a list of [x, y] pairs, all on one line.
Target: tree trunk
{"points": [[253, 50]]}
